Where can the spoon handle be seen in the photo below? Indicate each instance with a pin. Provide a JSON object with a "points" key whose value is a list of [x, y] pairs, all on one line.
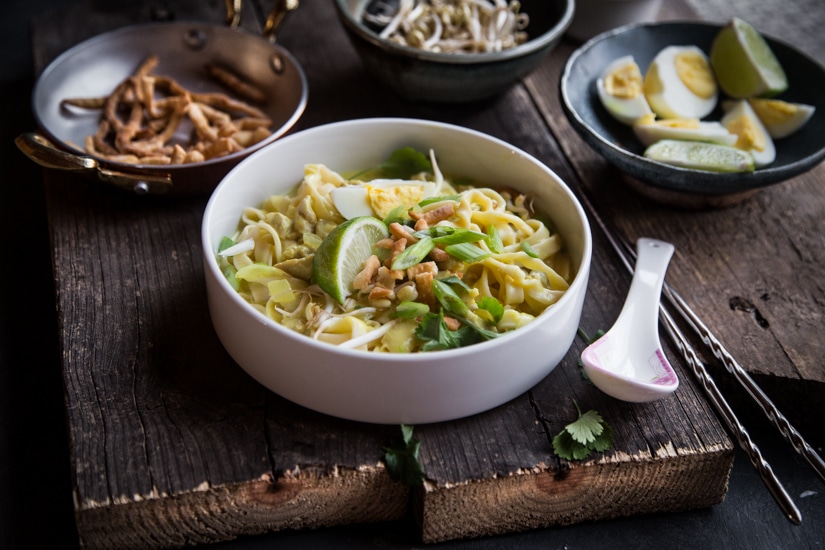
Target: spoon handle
{"points": [[648, 277], [714, 395]]}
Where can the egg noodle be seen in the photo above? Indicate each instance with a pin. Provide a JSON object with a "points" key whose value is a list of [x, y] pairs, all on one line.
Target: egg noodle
{"points": [[515, 266]]}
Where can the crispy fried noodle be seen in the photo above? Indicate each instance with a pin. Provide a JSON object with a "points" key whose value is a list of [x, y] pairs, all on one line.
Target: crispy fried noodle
{"points": [[142, 118]]}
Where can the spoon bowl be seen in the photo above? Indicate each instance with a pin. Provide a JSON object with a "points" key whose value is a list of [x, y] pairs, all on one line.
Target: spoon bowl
{"points": [[628, 362]]}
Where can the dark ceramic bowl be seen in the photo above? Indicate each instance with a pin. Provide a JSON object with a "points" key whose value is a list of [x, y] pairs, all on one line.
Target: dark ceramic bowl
{"points": [[795, 154], [420, 75]]}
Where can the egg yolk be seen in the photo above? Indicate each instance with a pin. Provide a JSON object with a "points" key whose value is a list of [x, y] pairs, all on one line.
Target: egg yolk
{"points": [[624, 82], [689, 123], [750, 137], [773, 111], [383, 199], [695, 73]]}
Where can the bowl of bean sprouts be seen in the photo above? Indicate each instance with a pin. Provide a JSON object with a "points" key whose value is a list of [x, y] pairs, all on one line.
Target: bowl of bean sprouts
{"points": [[388, 353], [453, 51]]}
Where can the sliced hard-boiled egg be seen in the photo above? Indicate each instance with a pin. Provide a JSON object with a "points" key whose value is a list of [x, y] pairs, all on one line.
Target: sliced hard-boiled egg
{"points": [[680, 83], [753, 137], [379, 197], [621, 90], [688, 129], [781, 118]]}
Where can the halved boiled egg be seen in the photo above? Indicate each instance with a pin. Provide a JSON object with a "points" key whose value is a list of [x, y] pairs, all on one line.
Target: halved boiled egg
{"points": [[752, 136], [680, 83], [650, 131], [378, 197], [620, 90], [781, 118]]}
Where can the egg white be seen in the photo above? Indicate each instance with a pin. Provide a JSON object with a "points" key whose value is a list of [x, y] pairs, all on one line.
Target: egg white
{"points": [[674, 99], [734, 109], [354, 200], [625, 109], [711, 132]]}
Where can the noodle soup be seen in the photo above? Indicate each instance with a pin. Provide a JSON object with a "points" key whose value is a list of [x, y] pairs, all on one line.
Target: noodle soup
{"points": [[451, 263]]}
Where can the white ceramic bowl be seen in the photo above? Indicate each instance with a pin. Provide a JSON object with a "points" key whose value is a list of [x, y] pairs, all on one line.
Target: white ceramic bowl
{"points": [[393, 388]]}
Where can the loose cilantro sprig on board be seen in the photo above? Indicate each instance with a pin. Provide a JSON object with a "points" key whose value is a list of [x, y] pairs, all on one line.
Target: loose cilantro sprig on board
{"points": [[588, 433], [401, 458]]}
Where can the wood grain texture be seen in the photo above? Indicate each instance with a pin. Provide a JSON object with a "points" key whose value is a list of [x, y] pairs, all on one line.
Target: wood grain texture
{"points": [[752, 269], [173, 444]]}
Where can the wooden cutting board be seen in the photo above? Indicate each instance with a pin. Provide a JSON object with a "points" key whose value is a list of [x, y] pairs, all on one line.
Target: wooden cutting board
{"points": [[172, 444]]}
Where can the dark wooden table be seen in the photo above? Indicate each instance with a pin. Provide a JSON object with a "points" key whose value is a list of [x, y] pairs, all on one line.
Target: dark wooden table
{"points": [[170, 443]]}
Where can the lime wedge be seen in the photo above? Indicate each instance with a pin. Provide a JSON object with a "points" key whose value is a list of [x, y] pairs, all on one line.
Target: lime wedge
{"points": [[696, 155], [342, 253], [744, 64]]}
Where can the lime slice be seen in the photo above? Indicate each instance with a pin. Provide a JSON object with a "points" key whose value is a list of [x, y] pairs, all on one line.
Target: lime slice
{"points": [[342, 254], [744, 63], [696, 155]]}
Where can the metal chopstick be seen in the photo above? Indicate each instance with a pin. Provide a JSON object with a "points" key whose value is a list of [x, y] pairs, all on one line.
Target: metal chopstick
{"points": [[716, 398], [779, 421]]}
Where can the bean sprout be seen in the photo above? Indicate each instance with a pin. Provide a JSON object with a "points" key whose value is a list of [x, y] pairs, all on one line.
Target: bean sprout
{"points": [[455, 26]]}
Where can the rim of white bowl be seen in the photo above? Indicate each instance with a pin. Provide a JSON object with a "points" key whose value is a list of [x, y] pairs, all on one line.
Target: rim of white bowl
{"points": [[209, 252]]}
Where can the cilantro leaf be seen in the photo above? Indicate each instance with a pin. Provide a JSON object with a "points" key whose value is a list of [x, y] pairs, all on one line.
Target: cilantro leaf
{"points": [[402, 163], [589, 432], [401, 458], [437, 335], [406, 162], [586, 428]]}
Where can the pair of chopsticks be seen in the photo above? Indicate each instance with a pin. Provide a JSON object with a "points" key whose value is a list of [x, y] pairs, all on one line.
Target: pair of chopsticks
{"points": [[627, 254]]}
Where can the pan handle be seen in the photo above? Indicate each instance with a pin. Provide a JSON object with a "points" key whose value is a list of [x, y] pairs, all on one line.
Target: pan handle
{"points": [[43, 152], [274, 20]]}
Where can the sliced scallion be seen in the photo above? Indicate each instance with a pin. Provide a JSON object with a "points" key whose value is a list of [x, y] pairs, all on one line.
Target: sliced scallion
{"points": [[466, 252], [449, 299], [413, 255]]}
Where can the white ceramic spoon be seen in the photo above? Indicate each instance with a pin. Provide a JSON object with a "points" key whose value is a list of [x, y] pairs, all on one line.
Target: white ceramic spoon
{"points": [[628, 362]]}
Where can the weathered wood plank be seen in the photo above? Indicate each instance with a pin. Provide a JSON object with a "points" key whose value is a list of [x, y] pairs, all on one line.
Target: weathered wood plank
{"points": [[173, 444]]}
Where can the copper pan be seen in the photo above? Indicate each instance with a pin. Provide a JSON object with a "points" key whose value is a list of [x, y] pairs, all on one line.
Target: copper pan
{"points": [[94, 67]]}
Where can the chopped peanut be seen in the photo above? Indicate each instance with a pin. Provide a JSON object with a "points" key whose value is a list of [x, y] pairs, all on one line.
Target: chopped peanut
{"points": [[385, 278], [367, 275], [381, 293], [452, 323], [438, 254], [400, 232], [424, 286], [432, 217], [424, 267]]}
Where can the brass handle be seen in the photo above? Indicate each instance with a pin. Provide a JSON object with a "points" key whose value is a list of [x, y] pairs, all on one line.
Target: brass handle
{"points": [[43, 152], [274, 20]]}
